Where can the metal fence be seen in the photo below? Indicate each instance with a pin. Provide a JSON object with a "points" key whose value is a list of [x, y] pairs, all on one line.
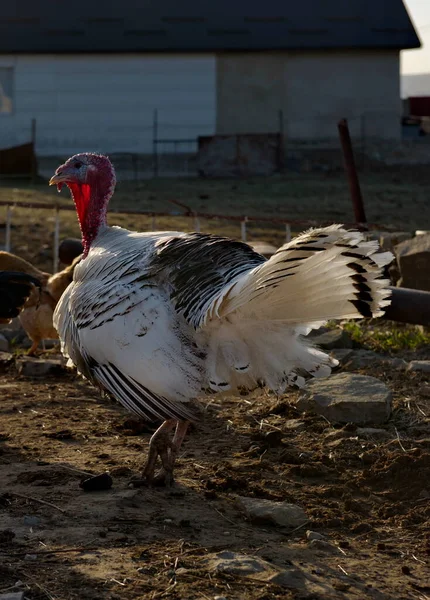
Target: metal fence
{"points": [[195, 221], [168, 149]]}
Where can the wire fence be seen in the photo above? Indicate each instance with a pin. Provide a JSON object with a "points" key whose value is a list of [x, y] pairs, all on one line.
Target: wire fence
{"points": [[167, 149], [195, 219]]}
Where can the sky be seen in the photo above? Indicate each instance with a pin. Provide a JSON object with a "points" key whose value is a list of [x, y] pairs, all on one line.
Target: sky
{"points": [[418, 61]]}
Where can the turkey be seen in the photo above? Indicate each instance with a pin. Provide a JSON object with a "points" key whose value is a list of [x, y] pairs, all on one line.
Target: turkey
{"points": [[158, 319]]}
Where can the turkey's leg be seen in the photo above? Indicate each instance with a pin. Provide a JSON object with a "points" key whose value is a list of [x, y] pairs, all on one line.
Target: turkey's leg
{"points": [[159, 446], [165, 475]]}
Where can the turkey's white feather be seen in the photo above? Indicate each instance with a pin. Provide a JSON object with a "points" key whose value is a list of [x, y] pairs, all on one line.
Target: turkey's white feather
{"points": [[158, 319]]}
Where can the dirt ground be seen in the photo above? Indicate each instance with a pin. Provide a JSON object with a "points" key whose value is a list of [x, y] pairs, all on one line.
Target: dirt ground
{"points": [[369, 497]]}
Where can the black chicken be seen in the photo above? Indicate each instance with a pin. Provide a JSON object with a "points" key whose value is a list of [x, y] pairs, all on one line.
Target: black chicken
{"points": [[15, 288]]}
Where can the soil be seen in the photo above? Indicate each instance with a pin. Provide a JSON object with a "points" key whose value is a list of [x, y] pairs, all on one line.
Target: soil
{"points": [[370, 497]]}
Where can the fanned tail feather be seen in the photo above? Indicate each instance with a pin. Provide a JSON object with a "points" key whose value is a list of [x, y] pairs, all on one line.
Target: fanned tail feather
{"points": [[323, 274]]}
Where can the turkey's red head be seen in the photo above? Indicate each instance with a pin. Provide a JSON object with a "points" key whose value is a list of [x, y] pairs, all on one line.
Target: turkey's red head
{"points": [[91, 180]]}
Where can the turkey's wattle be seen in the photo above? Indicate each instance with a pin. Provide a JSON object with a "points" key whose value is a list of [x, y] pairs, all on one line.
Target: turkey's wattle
{"points": [[159, 319]]}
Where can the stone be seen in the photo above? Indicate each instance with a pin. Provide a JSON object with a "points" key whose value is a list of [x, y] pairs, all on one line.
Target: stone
{"points": [[294, 424], [324, 546], [360, 359], [413, 258], [38, 367], [424, 391], [373, 432], [6, 358], [347, 398], [333, 338], [31, 520], [267, 250], [12, 595], [342, 355], [4, 344], [314, 535], [419, 365], [254, 567], [97, 483], [263, 511], [388, 240]]}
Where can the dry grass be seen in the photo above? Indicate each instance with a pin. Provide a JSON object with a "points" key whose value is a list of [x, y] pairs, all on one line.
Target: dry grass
{"points": [[390, 199]]}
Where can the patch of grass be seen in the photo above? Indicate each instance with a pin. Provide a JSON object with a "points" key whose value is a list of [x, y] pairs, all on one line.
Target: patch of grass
{"points": [[385, 336]]}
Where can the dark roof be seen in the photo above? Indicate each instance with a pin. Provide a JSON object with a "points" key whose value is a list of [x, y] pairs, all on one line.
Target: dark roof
{"points": [[202, 25]]}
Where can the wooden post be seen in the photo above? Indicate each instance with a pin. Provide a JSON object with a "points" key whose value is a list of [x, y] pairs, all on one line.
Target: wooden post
{"points": [[8, 228], [288, 233], [243, 229], [155, 143], [33, 154], [354, 184], [56, 240]]}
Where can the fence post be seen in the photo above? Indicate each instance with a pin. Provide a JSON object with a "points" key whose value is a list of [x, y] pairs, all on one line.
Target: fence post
{"points": [[196, 224], [56, 239], [155, 143], [8, 228], [288, 233], [281, 149], [243, 229], [33, 153], [351, 171]]}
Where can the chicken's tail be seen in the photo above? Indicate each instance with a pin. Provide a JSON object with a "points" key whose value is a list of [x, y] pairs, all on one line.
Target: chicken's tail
{"points": [[323, 274]]}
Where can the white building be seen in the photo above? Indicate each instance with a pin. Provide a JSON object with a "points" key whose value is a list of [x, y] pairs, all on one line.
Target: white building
{"points": [[109, 76]]}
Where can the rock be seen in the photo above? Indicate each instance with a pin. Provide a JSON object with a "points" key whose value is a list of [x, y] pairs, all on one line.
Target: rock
{"points": [[347, 398], [342, 355], [4, 344], [324, 546], [424, 391], [254, 567], [38, 367], [274, 513], [333, 338], [30, 557], [360, 359], [372, 432], [5, 360], [31, 521], [413, 258], [69, 249], [388, 240], [419, 365], [314, 535], [263, 248], [294, 424], [97, 483], [13, 595]]}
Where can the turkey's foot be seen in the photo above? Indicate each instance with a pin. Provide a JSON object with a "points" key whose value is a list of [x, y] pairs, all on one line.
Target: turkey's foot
{"points": [[162, 446]]}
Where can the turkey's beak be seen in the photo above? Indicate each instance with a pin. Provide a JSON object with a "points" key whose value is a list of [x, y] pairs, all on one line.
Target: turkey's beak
{"points": [[62, 175]]}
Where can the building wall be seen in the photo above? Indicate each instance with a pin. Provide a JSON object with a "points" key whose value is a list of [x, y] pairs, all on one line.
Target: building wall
{"points": [[107, 102], [313, 90]]}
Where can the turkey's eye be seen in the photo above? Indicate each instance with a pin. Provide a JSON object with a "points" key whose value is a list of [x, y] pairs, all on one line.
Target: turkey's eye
{"points": [[78, 165]]}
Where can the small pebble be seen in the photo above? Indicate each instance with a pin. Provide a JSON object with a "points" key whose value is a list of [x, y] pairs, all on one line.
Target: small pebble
{"points": [[97, 483], [314, 535], [168, 521], [220, 598], [31, 521], [406, 570], [30, 557], [226, 533]]}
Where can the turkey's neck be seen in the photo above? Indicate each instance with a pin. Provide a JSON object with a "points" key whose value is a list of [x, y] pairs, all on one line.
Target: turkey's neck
{"points": [[91, 205]]}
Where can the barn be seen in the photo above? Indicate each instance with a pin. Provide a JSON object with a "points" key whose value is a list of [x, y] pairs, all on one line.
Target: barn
{"points": [[110, 76]]}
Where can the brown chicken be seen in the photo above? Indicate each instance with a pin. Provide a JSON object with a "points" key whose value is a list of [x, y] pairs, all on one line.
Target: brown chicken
{"points": [[36, 317]]}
